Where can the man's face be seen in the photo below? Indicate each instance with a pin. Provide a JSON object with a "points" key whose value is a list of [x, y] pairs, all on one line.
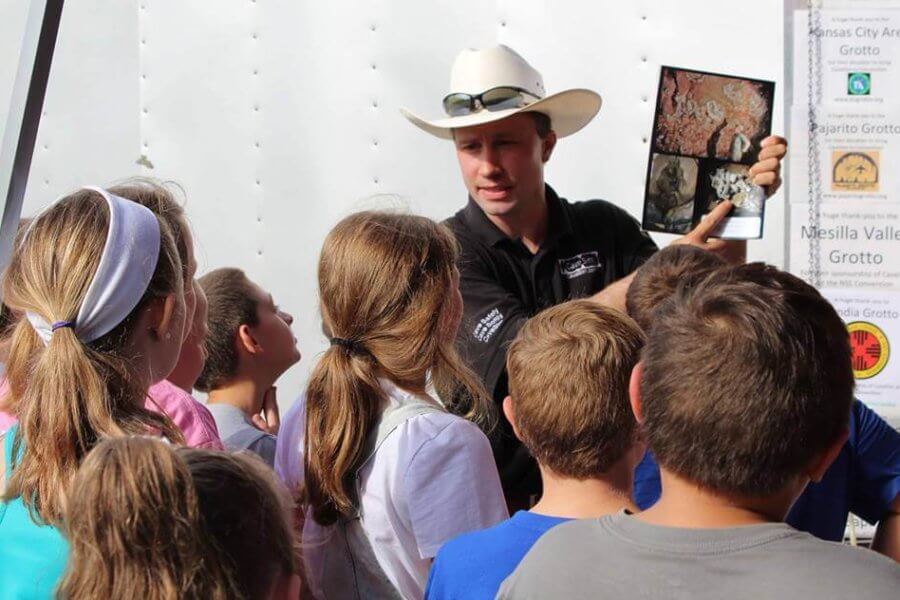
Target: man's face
{"points": [[502, 164]]}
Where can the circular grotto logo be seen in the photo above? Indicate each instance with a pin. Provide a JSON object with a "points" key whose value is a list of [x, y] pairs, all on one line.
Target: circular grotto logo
{"points": [[870, 349], [859, 84]]}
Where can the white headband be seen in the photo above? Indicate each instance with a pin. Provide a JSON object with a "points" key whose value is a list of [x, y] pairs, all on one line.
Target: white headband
{"points": [[126, 266]]}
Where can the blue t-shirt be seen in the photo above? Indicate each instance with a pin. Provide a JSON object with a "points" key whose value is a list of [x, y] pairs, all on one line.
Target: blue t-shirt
{"points": [[32, 555], [473, 565], [864, 479]]}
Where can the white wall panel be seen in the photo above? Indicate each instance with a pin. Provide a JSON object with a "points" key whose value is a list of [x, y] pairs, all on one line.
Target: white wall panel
{"points": [[278, 117]]}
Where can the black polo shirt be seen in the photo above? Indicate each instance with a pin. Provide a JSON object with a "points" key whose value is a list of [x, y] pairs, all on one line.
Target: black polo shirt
{"points": [[588, 246]]}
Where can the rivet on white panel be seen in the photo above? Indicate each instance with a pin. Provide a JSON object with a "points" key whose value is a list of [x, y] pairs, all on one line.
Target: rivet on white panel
{"points": [[375, 181], [372, 28], [643, 59], [374, 143], [375, 104]]}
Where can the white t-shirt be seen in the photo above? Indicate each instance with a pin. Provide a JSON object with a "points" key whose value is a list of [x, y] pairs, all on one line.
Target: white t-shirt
{"points": [[432, 479]]}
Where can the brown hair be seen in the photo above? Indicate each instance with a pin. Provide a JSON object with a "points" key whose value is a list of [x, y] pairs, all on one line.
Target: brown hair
{"points": [[158, 197], [68, 394], [569, 369], [542, 123], [149, 521], [746, 378], [231, 304], [248, 514], [658, 278], [384, 281]]}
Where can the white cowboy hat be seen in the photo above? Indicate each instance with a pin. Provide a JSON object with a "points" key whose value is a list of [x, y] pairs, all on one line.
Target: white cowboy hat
{"points": [[478, 71]]}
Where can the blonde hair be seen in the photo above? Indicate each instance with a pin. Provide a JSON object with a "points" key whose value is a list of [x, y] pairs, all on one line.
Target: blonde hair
{"points": [[159, 198], [68, 394], [569, 369], [156, 523], [384, 284]]}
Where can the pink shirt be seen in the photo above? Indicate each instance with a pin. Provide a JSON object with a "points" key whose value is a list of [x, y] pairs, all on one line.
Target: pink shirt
{"points": [[190, 416], [6, 419]]}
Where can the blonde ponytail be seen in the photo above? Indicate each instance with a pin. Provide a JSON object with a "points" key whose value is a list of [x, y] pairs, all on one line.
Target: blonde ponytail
{"points": [[68, 394]]}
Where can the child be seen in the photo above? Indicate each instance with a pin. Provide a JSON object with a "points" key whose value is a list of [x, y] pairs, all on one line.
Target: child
{"points": [[249, 346], [386, 474], [225, 531], [743, 394], [568, 368], [167, 397], [99, 280], [864, 478]]}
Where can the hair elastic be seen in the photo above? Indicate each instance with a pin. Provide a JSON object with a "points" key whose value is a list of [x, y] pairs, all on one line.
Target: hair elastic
{"points": [[61, 324], [348, 345]]}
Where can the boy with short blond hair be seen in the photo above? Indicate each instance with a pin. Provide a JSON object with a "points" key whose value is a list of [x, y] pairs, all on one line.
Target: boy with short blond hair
{"points": [[743, 394], [569, 368]]}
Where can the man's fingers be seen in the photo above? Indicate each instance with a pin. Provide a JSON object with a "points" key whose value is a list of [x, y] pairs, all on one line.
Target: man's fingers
{"points": [[766, 179], [705, 227], [773, 140], [775, 151], [763, 166]]}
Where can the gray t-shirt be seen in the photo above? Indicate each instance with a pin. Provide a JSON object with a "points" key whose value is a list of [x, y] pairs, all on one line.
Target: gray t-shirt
{"points": [[238, 433], [618, 556]]}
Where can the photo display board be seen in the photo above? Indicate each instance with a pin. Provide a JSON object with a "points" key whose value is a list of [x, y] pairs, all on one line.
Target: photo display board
{"points": [[707, 129]]}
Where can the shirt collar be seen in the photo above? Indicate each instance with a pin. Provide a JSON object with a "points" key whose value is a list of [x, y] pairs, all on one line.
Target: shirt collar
{"points": [[558, 223]]}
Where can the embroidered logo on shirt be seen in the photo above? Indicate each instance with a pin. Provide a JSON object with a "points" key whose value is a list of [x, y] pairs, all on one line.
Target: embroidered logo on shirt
{"points": [[580, 264], [488, 326]]}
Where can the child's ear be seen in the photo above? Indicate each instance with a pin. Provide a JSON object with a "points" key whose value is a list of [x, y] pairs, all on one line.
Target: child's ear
{"points": [[818, 466], [634, 392], [161, 317], [247, 341], [510, 414]]}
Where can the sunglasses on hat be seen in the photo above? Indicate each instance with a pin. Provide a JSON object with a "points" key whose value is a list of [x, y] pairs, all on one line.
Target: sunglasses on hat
{"points": [[494, 99]]}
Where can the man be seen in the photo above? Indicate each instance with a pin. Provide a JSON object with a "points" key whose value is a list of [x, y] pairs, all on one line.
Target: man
{"points": [[523, 248], [743, 393]]}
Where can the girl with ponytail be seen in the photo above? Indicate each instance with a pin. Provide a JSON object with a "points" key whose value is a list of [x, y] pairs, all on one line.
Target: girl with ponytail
{"points": [[99, 282], [385, 472], [152, 522]]}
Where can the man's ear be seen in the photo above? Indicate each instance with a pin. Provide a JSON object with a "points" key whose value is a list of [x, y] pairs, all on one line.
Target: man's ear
{"points": [[821, 462], [161, 317], [548, 143], [247, 341], [634, 392], [510, 414]]}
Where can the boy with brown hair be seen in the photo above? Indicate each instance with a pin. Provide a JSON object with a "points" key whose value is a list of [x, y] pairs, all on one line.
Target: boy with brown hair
{"points": [[743, 393], [249, 345], [863, 479], [569, 368]]}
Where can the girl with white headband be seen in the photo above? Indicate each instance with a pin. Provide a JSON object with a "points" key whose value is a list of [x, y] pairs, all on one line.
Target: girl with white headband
{"points": [[100, 283]]}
